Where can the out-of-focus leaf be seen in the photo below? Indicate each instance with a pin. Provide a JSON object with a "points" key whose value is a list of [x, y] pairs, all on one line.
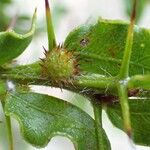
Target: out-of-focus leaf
{"points": [[4, 18], [101, 47], [2, 88], [140, 119], [41, 117], [59, 12], [5, 1], [13, 44], [21, 25]]}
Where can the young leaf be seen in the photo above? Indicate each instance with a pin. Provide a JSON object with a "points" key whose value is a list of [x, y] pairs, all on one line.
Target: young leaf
{"points": [[140, 119], [101, 47], [13, 44], [41, 117]]}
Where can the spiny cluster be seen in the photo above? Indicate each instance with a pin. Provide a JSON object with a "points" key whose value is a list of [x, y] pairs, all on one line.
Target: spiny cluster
{"points": [[59, 65]]}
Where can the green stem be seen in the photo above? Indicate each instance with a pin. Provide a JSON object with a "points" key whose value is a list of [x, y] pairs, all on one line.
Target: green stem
{"points": [[98, 125], [9, 129], [32, 75], [140, 81], [123, 96], [124, 71], [124, 74], [50, 29], [96, 82]]}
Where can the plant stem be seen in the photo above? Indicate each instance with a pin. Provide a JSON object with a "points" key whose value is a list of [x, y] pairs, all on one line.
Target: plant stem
{"points": [[98, 125], [50, 29], [9, 129], [140, 81], [124, 74], [124, 71], [122, 90], [93, 81], [96, 82]]}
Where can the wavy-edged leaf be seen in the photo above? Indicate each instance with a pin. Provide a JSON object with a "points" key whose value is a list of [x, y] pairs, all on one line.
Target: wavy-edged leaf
{"points": [[140, 119], [41, 117], [13, 44], [101, 47]]}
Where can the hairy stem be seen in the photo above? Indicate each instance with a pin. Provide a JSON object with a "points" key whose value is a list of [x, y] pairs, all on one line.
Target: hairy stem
{"points": [[124, 74], [98, 125], [9, 129], [140, 81], [50, 28], [96, 82], [123, 96], [31, 75]]}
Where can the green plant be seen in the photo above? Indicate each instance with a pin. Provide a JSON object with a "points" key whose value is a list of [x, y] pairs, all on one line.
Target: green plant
{"points": [[109, 59], [140, 8], [17, 21]]}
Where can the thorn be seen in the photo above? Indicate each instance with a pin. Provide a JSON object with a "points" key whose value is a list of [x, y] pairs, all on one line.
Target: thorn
{"points": [[44, 48], [62, 45], [45, 51], [133, 15], [50, 29], [42, 59], [41, 65], [47, 5], [59, 46], [35, 10]]}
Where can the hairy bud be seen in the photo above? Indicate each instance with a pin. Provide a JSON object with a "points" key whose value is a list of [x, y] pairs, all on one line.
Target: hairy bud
{"points": [[59, 65]]}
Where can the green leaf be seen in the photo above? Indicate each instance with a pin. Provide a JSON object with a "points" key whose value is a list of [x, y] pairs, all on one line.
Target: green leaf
{"points": [[140, 119], [13, 44], [5, 1], [101, 47], [41, 117], [2, 88], [140, 7]]}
